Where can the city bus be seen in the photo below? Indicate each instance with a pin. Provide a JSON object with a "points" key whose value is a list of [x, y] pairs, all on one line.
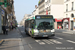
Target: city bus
{"points": [[40, 26]]}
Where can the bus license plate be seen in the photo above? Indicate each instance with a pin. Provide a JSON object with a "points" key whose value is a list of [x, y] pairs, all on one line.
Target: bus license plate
{"points": [[45, 35]]}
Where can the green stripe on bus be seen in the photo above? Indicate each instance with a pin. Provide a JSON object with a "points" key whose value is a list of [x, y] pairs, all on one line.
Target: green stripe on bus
{"points": [[32, 31]]}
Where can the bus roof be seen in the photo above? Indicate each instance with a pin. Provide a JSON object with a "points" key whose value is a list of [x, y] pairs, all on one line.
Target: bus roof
{"points": [[38, 15], [44, 15]]}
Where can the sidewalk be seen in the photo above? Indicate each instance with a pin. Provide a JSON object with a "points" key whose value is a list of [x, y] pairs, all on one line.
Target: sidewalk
{"points": [[67, 31], [12, 41]]}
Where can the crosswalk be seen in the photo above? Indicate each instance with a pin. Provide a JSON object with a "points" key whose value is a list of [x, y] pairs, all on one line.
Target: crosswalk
{"points": [[53, 41], [48, 41]]}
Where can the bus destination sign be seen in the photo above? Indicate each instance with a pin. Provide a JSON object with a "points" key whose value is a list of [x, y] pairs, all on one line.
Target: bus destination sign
{"points": [[43, 17]]}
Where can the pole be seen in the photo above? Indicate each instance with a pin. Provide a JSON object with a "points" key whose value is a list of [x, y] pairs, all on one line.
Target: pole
{"points": [[0, 21]]}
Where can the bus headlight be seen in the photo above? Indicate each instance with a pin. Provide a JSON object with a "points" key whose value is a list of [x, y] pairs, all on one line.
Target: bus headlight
{"points": [[36, 32], [53, 30]]}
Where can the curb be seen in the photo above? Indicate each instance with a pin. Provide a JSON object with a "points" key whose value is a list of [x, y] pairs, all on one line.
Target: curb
{"points": [[12, 39], [1, 42]]}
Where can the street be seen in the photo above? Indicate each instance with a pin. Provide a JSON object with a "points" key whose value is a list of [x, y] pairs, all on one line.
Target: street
{"points": [[61, 41], [37, 25]]}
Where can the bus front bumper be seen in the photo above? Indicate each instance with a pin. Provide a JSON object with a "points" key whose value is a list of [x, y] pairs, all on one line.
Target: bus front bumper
{"points": [[44, 35]]}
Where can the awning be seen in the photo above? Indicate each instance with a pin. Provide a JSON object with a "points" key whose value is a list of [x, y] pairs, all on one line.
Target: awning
{"points": [[60, 20], [66, 20]]}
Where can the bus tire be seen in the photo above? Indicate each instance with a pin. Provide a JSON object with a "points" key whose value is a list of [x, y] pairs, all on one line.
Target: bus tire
{"points": [[53, 35], [26, 33]]}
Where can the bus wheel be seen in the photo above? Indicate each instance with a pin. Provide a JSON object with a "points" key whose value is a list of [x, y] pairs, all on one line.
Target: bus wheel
{"points": [[32, 36], [26, 33], [53, 35]]}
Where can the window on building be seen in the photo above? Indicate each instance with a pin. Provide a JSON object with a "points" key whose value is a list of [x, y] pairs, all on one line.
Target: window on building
{"points": [[72, 5], [72, 15], [66, 15], [66, 7], [46, 3], [49, 0], [49, 13], [66, 0]]}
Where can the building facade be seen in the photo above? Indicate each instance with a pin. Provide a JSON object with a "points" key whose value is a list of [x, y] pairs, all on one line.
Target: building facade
{"points": [[41, 6], [26, 16], [7, 13], [36, 11], [52, 7], [69, 14]]}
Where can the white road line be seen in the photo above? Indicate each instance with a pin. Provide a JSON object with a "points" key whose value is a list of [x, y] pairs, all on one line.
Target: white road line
{"points": [[68, 32], [30, 46], [21, 45], [55, 41], [48, 42], [59, 38], [40, 42], [71, 41], [37, 40]]}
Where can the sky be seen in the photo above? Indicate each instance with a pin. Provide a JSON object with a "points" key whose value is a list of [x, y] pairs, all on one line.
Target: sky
{"points": [[23, 7]]}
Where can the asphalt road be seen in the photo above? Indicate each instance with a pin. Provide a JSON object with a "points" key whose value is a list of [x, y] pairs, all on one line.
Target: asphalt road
{"points": [[61, 41]]}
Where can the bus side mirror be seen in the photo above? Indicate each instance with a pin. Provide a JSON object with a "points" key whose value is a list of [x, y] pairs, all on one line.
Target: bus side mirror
{"points": [[54, 20]]}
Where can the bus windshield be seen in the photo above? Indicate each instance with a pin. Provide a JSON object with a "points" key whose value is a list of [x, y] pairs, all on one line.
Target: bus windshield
{"points": [[44, 24]]}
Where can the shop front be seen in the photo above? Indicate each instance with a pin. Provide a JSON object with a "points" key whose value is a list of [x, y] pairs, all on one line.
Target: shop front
{"points": [[59, 23], [66, 23]]}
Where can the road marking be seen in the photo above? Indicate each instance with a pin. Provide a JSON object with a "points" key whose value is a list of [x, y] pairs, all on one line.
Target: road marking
{"points": [[21, 45], [55, 41], [48, 42], [42, 43], [37, 40], [30, 46], [59, 38], [68, 32], [71, 41]]}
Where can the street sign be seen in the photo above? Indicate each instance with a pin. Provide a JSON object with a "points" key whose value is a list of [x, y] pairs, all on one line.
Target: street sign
{"points": [[3, 12], [5, 3]]}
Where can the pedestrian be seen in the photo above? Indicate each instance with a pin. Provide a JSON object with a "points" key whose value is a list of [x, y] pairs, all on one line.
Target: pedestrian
{"points": [[67, 26], [4, 29]]}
